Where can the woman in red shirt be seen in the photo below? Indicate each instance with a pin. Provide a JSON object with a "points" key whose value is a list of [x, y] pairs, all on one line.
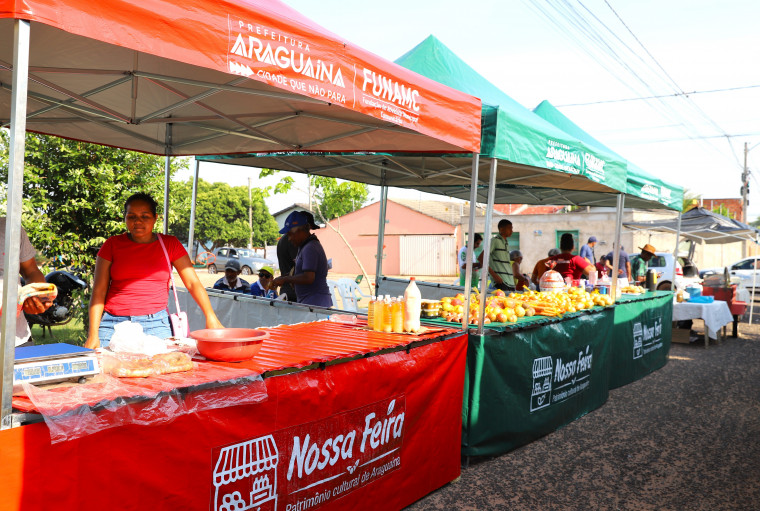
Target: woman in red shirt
{"points": [[569, 265], [132, 278]]}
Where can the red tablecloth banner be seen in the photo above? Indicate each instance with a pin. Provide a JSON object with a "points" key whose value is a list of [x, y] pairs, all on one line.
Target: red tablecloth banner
{"points": [[371, 433]]}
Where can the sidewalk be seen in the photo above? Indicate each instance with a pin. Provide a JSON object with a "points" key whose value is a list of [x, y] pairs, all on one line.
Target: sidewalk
{"points": [[682, 438]]}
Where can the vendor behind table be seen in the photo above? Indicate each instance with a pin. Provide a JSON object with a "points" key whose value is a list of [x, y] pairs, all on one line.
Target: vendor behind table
{"points": [[499, 264], [310, 272], [132, 277]]}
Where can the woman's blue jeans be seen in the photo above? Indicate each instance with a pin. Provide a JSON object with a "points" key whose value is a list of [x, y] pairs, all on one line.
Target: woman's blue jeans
{"points": [[153, 324]]}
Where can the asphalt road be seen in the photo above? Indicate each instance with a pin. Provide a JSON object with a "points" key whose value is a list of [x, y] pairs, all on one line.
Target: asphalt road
{"points": [[686, 437]]}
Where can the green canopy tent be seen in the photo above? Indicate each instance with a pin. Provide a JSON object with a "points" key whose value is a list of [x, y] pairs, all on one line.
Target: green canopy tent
{"points": [[531, 160], [639, 183]]}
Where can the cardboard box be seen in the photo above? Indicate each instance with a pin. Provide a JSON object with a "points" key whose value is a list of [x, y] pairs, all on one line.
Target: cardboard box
{"points": [[682, 335]]}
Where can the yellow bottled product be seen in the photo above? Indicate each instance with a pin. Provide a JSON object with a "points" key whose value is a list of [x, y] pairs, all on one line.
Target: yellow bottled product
{"points": [[397, 310], [388, 315], [378, 314], [371, 313]]}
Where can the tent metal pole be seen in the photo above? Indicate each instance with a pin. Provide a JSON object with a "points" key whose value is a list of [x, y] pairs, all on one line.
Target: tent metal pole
{"points": [[191, 233], [381, 230], [167, 176], [470, 237], [616, 245], [487, 248], [20, 83], [754, 283], [675, 252]]}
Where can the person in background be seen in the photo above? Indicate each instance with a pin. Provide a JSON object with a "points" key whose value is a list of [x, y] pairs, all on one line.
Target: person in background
{"points": [[132, 277], [499, 264], [262, 286], [639, 272], [286, 258], [231, 280], [521, 281], [624, 269], [462, 261], [31, 273], [569, 265], [601, 266], [541, 267], [587, 250], [310, 271]]}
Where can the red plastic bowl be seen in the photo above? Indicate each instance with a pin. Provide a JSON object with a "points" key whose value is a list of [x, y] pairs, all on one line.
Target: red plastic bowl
{"points": [[229, 344]]}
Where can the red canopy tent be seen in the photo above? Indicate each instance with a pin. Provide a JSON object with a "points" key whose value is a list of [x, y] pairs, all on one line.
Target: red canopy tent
{"points": [[204, 77]]}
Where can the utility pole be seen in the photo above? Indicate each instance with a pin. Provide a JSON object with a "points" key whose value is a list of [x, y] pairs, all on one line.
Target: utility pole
{"points": [[745, 192], [250, 216]]}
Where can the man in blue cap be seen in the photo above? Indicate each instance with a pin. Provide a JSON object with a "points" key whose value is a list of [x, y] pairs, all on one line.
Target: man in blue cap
{"points": [[587, 250], [310, 273]]}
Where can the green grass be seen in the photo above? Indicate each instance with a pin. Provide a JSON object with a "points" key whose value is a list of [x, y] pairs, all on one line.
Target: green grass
{"points": [[70, 333]]}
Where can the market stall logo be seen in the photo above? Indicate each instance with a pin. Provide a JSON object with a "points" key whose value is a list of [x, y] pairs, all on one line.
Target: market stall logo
{"points": [[647, 337], [277, 57], [314, 463], [245, 476], [556, 379], [594, 167], [562, 157]]}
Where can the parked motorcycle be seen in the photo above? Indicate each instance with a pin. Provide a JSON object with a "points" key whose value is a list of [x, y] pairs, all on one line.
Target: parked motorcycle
{"points": [[61, 311]]}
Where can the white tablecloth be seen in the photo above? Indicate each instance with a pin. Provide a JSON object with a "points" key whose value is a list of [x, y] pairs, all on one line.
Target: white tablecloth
{"points": [[715, 315]]}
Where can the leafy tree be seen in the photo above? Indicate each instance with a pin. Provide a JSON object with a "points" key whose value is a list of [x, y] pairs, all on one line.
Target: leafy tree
{"points": [[690, 200], [334, 199], [74, 196], [722, 209], [221, 214]]}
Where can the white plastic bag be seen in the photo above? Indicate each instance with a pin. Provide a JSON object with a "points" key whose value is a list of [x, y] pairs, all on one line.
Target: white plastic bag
{"points": [[129, 337]]}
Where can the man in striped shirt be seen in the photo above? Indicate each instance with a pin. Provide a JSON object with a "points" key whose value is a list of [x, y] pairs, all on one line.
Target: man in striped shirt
{"points": [[499, 263]]}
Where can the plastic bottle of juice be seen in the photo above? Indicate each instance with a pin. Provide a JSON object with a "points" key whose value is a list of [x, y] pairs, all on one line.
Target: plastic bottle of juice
{"points": [[413, 300], [379, 313], [371, 313], [397, 309], [388, 314]]}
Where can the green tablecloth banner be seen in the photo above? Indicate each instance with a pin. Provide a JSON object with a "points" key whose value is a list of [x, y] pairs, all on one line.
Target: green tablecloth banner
{"points": [[521, 384], [641, 336]]}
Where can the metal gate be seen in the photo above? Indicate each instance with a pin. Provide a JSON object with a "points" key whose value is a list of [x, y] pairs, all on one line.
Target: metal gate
{"points": [[428, 255]]}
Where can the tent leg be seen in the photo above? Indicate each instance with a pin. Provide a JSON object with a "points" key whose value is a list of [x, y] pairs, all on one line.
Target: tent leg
{"points": [[471, 237], [191, 230], [754, 283], [167, 176], [487, 248], [675, 252], [381, 231], [20, 83], [616, 246]]}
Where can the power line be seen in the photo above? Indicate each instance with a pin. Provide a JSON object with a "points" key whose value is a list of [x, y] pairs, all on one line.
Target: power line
{"points": [[674, 95]]}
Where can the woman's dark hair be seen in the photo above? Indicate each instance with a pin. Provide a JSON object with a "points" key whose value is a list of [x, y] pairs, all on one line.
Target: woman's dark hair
{"points": [[478, 237], [143, 197]]}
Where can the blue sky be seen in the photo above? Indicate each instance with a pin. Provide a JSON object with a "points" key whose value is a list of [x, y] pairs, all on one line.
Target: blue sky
{"points": [[594, 51]]}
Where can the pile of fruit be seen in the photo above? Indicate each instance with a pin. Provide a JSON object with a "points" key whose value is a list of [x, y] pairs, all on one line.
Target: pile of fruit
{"points": [[634, 290], [501, 308]]}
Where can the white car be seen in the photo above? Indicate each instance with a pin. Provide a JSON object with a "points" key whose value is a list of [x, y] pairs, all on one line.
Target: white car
{"points": [[662, 262], [746, 270]]}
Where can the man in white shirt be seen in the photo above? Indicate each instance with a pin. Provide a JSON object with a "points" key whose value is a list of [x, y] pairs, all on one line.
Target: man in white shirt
{"points": [[30, 271]]}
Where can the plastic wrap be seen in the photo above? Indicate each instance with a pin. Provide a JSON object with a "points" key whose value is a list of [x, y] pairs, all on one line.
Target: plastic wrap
{"points": [[108, 402], [134, 365]]}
